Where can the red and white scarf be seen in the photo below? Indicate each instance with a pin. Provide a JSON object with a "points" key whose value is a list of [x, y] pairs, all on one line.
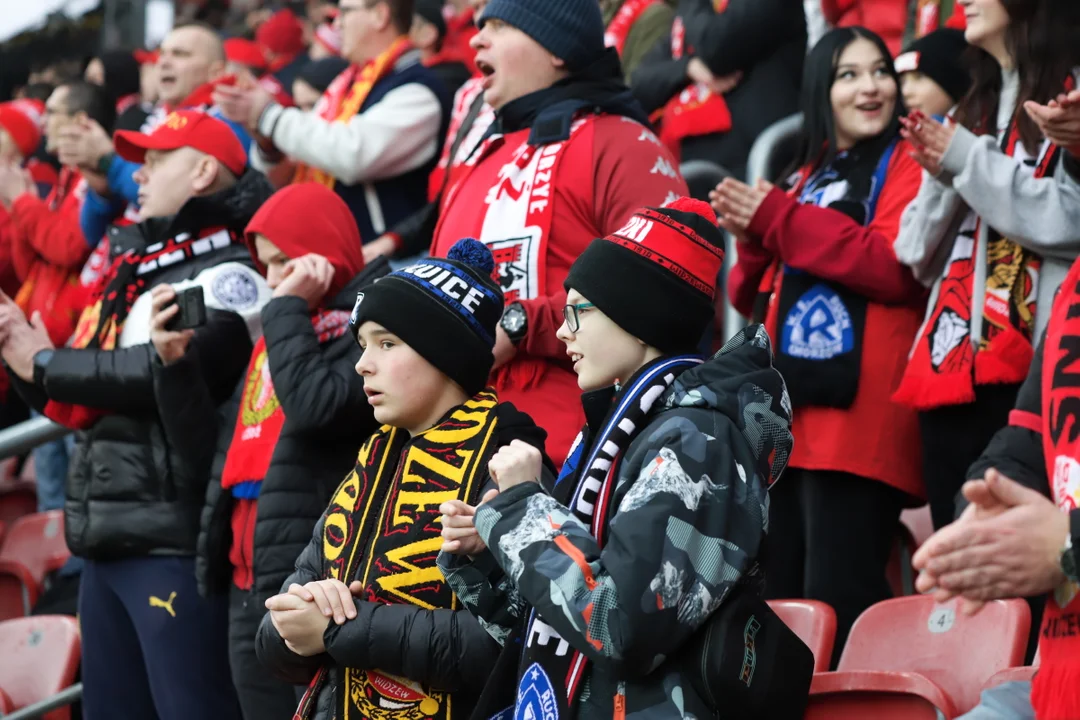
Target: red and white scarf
{"points": [[1053, 692], [619, 27], [946, 362]]}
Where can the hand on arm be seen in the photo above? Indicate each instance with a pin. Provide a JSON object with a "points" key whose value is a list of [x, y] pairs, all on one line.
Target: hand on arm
{"points": [[459, 527], [1007, 543]]}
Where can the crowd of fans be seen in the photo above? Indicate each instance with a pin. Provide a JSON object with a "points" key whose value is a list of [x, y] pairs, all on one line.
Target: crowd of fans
{"points": [[419, 230]]}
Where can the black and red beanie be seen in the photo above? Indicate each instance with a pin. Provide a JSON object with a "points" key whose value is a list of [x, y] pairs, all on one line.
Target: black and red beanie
{"points": [[656, 276], [446, 309]]}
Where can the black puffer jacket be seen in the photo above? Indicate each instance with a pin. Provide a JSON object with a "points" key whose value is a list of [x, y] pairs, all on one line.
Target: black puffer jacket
{"points": [[763, 39], [129, 492], [327, 418]]}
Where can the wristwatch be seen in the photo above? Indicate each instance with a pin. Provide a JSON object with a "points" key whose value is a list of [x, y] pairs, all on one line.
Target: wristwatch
{"points": [[514, 322], [41, 361], [1069, 564]]}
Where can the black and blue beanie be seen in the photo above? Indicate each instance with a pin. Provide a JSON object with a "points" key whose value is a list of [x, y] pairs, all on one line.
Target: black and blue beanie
{"points": [[571, 30], [444, 309]]}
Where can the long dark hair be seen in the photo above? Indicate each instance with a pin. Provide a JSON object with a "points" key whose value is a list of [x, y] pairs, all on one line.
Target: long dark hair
{"points": [[1041, 38], [819, 73]]}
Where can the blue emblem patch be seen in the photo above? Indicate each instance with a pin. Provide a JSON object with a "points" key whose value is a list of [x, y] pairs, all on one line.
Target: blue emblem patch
{"points": [[536, 696], [818, 327]]}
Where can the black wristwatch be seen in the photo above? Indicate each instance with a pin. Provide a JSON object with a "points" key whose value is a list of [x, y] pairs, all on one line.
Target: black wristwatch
{"points": [[41, 361], [515, 323]]}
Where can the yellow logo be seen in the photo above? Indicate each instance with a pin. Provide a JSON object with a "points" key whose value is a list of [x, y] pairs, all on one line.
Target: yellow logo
{"points": [[166, 604], [259, 401], [175, 122]]}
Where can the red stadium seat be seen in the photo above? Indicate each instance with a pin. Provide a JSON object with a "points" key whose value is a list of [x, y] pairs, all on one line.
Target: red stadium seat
{"points": [[910, 655], [815, 624], [16, 501], [1014, 674], [34, 546], [39, 657]]}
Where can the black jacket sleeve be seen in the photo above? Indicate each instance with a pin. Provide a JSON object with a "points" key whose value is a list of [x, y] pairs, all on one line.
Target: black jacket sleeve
{"points": [[270, 648], [121, 381], [658, 77], [314, 392], [417, 231], [1015, 451], [187, 412], [746, 32], [444, 649]]}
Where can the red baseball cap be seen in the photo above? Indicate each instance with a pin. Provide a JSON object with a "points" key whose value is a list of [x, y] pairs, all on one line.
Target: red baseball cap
{"points": [[21, 119], [185, 128]]}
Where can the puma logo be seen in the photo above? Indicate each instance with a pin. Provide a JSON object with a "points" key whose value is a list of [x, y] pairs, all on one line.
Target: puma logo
{"points": [[166, 604]]}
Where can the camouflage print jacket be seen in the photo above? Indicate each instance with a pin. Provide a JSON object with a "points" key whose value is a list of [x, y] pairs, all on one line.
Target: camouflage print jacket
{"points": [[689, 513]]}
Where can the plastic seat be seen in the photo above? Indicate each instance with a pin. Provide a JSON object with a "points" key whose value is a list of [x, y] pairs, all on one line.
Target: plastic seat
{"points": [[16, 501], [39, 657], [1024, 673], [910, 655], [815, 624], [34, 546]]}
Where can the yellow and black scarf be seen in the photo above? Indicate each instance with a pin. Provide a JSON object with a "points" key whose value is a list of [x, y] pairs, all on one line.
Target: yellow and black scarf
{"points": [[382, 528]]}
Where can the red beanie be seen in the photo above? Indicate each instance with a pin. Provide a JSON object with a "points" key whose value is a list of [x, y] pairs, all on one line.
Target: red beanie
{"points": [[310, 218], [281, 34], [656, 276], [21, 119], [245, 52]]}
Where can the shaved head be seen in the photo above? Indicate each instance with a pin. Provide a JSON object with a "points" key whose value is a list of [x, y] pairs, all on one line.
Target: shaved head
{"points": [[190, 56]]}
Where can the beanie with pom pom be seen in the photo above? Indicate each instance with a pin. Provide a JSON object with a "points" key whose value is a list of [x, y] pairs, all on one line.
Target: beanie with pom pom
{"points": [[656, 276], [446, 309]]}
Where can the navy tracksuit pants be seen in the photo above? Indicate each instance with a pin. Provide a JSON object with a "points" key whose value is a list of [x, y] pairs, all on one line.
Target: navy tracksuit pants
{"points": [[152, 648]]}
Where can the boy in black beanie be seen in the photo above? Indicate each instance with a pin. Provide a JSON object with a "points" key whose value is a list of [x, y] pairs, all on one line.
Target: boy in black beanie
{"points": [[366, 621], [933, 77], [661, 507]]}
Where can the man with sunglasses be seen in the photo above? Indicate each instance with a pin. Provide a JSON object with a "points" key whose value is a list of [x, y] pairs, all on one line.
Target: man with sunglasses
{"points": [[374, 135]]}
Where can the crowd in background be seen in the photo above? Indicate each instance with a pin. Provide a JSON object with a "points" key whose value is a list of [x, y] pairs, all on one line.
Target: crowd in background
{"points": [[906, 266]]}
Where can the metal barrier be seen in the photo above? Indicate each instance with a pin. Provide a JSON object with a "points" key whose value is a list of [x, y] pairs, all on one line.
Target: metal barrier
{"points": [[24, 437], [66, 696], [759, 165]]}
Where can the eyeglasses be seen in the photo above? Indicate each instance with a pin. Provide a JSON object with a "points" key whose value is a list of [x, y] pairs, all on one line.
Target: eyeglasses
{"points": [[571, 315]]}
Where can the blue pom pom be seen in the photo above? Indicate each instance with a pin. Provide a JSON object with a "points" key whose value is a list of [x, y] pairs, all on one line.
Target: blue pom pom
{"points": [[472, 252]]}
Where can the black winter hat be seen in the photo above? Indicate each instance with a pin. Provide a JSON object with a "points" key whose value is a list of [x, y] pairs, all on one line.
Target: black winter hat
{"points": [[571, 30], [444, 309], [939, 56], [656, 276], [432, 12]]}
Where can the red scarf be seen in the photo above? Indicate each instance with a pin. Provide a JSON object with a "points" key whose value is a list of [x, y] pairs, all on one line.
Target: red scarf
{"points": [[945, 364], [1054, 693], [260, 417], [696, 110], [619, 27], [346, 95]]}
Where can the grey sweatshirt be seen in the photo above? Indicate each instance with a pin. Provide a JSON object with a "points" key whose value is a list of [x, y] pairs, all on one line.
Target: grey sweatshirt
{"points": [[1039, 214]]}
